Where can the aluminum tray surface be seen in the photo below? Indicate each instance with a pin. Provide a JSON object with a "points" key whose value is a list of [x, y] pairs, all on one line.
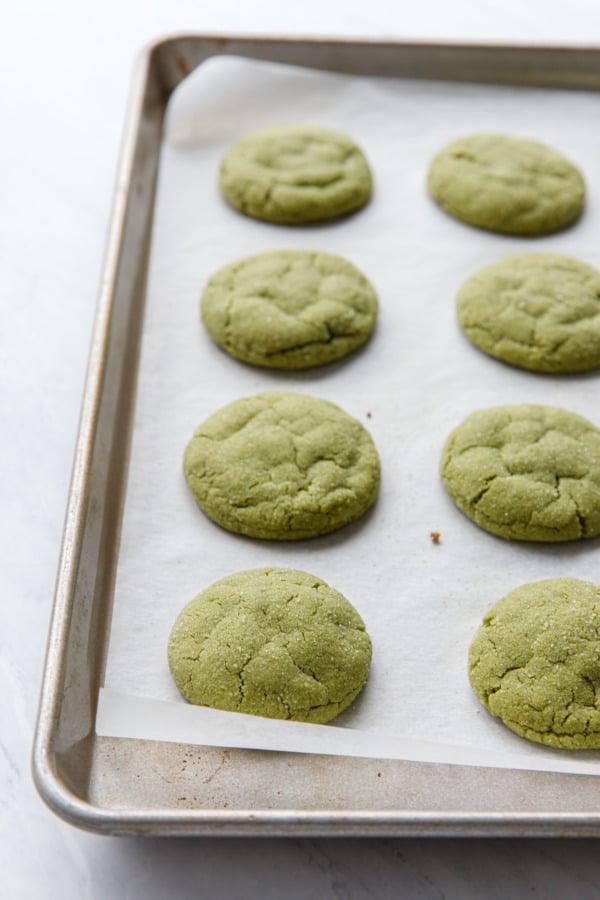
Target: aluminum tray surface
{"points": [[124, 786]]}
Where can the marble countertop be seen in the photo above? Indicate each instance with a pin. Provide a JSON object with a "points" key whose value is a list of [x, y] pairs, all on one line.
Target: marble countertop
{"points": [[66, 70]]}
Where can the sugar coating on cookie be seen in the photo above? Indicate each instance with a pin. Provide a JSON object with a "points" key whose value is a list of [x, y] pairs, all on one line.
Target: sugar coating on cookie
{"points": [[295, 174], [289, 309], [282, 466], [539, 311], [535, 662], [506, 184], [529, 473], [278, 643]]}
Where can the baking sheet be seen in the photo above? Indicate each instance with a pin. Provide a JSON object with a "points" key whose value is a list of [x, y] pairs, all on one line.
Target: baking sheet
{"points": [[415, 381]]}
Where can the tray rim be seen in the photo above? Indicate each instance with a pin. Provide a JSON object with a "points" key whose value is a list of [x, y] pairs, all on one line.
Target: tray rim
{"points": [[228, 822]]}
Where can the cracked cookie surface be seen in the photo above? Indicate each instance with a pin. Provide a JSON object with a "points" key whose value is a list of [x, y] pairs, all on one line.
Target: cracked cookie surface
{"points": [[290, 309], [535, 662], [506, 184], [295, 174], [529, 473], [278, 643], [282, 466], [539, 311]]}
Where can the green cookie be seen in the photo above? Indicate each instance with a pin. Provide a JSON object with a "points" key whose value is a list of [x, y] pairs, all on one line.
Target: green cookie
{"points": [[526, 472], [295, 174], [291, 309], [535, 662], [538, 311], [270, 642], [282, 466], [506, 184]]}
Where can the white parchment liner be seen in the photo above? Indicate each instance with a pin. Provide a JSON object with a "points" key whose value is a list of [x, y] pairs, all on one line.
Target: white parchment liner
{"points": [[416, 379]]}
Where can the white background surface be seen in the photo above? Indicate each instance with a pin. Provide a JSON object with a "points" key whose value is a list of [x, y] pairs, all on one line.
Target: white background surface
{"points": [[65, 69]]}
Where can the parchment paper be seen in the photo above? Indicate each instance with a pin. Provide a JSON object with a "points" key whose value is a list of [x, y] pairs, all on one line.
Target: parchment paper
{"points": [[416, 379]]}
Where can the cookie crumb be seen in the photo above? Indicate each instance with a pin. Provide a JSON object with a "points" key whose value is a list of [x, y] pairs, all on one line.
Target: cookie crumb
{"points": [[435, 537]]}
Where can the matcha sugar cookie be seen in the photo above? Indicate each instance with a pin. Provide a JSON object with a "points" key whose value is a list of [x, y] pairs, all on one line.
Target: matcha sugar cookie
{"points": [[506, 184], [539, 311], [295, 174], [290, 309], [282, 466], [535, 662], [529, 472], [270, 642]]}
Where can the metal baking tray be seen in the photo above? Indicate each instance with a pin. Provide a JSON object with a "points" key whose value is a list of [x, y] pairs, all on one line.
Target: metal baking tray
{"points": [[126, 786]]}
